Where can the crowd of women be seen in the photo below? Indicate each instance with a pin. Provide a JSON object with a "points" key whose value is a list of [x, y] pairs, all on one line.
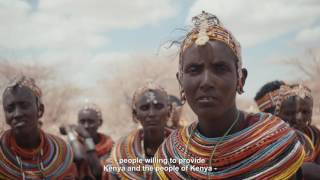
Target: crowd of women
{"points": [[279, 142]]}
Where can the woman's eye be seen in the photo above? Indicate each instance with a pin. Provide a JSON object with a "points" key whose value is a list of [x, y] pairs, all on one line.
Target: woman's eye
{"points": [[220, 68], [24, 105], [159, 106], [305, 112], [289, 113], [144, 107], [10, 108], [193, 69]]}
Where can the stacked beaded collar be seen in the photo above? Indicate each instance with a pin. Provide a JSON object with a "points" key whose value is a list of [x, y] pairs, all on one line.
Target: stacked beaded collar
{"points": [[267, 149]]}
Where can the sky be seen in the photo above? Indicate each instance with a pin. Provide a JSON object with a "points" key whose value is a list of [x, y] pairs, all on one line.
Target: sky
{"points": [[84, 34]]}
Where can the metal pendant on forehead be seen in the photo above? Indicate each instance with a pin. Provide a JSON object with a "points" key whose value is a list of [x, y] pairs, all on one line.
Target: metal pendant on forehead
{"points": [[151, 97]]}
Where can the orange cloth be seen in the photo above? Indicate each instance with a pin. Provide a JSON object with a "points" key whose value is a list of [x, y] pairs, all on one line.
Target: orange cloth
{"points": [[103, 149]]}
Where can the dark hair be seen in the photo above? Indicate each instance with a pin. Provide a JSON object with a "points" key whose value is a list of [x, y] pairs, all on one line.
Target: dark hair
{"points": [[269, 87], [14, 88], [175, 99]]}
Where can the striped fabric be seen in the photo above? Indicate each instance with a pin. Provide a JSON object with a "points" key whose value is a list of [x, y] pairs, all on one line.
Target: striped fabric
{"points": [[307, 145], [57, 159], [103, 150], [314, 134], [104, 147], [267, 149], [269, 100]]}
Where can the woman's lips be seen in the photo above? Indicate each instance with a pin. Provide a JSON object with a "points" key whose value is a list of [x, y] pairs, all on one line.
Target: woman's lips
{"points": [[19, 124], [151, 123], [207, 100]]}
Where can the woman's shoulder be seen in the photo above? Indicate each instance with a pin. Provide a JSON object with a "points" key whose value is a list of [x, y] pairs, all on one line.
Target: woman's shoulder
{"points": [[260, 117], [266, 120]]}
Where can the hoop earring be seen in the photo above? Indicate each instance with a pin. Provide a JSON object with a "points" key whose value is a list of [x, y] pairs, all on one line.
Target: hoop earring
{"points": [[309, 122], [134, 119], [239, 87], [39, 113], [183, 98]]}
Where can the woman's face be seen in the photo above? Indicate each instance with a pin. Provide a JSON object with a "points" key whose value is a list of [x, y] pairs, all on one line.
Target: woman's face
{"points": [[209, 79], [296, 111], [152, 109], [90, 120], [21, 110]]}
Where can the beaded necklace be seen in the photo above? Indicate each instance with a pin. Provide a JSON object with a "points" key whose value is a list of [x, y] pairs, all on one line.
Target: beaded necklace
{"points": [[267, 148], [314, 134], [143, 152], [41, 168], [220, 140], [52, 159], [130, 147], [38, 151]]}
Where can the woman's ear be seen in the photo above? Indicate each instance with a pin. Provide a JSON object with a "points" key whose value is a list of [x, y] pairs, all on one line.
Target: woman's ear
{"points": [[134, 116], [100, 122], [244, 76], [40, 110], [170, 109], [178, 76]]}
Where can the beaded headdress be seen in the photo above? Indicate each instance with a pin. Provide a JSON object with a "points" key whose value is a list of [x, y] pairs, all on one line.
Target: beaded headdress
{"points": [[287, 91], [92, 107], [207, 27], [28, 82], [149, 86], [268, 100]]}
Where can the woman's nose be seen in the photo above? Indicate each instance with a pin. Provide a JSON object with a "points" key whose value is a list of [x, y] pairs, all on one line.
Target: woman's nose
{"points": [[17, 112]]}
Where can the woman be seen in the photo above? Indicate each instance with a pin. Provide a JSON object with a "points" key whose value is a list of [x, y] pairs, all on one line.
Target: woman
{"points": [[151, 108], [274, 97], [92, 147], [295, 107], [225, 143], [26, 151]]}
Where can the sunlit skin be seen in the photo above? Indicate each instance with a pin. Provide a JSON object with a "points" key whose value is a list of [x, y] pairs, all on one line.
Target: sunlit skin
{"points": [[210, 81], [153, 116], [297, 112], [90, 120], [22, 112]]}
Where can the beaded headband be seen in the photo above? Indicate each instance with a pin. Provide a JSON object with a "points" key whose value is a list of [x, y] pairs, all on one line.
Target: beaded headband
{"points": [[23, 81], [292, 91], [207, 27], [268, 100], [149, 86], [92, 107]]}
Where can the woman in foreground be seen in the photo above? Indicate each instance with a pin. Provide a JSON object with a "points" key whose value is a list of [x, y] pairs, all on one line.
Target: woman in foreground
{"points": [[230, 143]]}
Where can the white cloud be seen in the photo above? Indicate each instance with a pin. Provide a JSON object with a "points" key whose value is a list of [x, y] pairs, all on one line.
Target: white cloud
{"points": [[308, 35], [254, 22], [68, 24]]}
